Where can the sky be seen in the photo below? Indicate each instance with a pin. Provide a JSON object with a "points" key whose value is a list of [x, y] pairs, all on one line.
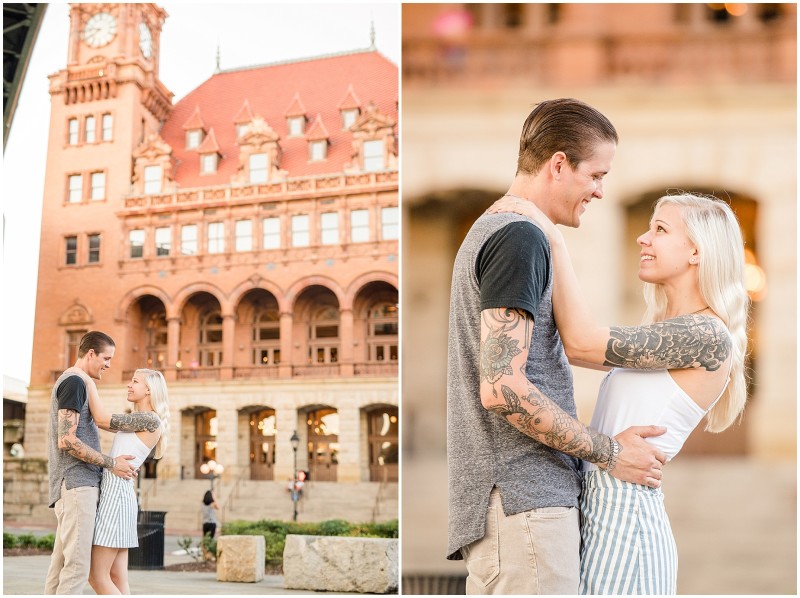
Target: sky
{"points": [[247, 34]]}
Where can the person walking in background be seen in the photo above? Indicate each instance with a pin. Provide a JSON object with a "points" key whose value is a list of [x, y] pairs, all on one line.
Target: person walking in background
{"points": [[141, 432], [514, 443], [75, 464], [208, 514], [690, 366]]}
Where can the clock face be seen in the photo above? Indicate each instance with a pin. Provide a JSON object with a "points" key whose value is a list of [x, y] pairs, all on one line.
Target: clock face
{"points": [[145, 40], [100, 30]]}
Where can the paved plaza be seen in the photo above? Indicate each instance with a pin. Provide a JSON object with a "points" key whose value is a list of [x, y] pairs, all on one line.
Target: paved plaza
{"points": [[24, 575]]}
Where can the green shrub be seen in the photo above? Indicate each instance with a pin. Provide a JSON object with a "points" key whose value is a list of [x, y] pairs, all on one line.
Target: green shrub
{"points": [[46, 542], [334, 527], [26, 541], [9, 540]]}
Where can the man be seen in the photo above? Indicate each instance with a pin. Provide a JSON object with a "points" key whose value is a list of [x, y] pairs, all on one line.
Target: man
{"points": [[514, 442], [75, 463]]}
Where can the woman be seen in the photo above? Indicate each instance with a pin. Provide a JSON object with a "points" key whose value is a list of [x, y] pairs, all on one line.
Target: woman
{"points": [[137, 434], [692, 264], [208, 515]]}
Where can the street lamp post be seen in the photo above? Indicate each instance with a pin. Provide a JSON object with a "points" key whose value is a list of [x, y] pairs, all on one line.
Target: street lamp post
{"points": [[212, 470], [295, 440]]}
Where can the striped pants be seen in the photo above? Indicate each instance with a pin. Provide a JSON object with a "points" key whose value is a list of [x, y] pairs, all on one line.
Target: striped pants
{"points": [[626, 541], [117, 512]]}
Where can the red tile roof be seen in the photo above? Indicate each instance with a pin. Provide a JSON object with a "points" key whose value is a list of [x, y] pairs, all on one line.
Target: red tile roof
{"points": [[267, 90]]}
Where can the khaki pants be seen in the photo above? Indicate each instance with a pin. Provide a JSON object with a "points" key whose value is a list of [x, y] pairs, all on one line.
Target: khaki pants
{"points": [[535, 552], [72, 552]]}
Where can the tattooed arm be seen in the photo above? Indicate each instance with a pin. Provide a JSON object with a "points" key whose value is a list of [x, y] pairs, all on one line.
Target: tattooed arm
{"points": [[688, 341], [68, 441], [138, 421], [506, 392]]}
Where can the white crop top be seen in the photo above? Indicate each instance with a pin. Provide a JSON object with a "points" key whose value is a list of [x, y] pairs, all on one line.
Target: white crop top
{"points": [[128, 443], [630, 397]]}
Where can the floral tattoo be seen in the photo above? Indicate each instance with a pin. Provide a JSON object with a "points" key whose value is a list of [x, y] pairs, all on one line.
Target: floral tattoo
{"points": [[689, 341]]}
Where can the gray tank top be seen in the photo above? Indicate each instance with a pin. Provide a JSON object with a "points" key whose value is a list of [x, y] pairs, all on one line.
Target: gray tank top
{"points": [[483, 449], [62, 465]]}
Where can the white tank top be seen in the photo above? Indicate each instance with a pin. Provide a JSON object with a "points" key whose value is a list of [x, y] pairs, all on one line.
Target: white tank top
{"points": [[128, 443], [647, 397]]}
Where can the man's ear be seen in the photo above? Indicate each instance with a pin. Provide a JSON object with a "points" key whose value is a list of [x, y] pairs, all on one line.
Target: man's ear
{"points": [[558, 161]]}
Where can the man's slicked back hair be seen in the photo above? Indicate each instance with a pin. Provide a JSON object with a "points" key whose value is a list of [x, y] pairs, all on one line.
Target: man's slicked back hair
{"points": [[563, 125]]}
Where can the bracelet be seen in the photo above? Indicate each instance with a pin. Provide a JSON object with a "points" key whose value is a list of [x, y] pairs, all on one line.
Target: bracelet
{"points": [[612, 459], [113, 463]]}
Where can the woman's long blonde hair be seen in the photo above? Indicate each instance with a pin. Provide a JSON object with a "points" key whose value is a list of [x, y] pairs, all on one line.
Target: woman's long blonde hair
{"points": [[714, 230], [159, 401]]}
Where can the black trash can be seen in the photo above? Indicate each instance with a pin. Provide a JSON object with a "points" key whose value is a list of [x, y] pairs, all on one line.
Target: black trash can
{"points": [[150, 553]]}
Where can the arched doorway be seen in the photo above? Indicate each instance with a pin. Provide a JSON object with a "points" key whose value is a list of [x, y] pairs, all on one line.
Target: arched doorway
{"points": [[262, 444], [382, 438], [323, 444]]}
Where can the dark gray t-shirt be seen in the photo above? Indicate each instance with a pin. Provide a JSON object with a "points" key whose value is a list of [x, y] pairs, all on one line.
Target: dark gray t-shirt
{"points": [[504, 261]]}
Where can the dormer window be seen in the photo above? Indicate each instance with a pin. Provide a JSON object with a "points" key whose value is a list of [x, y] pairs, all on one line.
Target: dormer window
{"points": [[349, 117], [258, 168], [194, 138], [297, 125], [152, 179], [317, 150], [208, 163], [374, 158]]}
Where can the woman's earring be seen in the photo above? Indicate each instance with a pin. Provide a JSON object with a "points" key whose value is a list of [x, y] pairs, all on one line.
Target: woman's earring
{"points": [[692, 260]]}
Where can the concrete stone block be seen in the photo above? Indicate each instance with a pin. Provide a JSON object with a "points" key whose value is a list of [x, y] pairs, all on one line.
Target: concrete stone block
{"points": [[337, 564], [240, 558]]}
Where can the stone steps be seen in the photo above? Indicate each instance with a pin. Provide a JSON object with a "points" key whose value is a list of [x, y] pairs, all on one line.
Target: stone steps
{"points": [[255, 500]]}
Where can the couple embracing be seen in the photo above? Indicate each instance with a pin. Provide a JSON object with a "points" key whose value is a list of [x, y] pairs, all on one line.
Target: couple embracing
{"points": [[539, 502], [92, 493]]}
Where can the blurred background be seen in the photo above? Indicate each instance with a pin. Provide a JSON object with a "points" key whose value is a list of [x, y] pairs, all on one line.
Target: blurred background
{"points": [[703, 97]]}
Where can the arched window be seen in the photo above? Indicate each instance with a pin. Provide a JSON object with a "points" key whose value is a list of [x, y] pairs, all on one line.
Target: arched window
{"points": [[211, 338], [267, 337], [382, 332], [156, 340], [323, 346]]}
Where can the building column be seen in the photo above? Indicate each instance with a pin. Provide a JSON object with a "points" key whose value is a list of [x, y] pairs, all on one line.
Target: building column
{"points": [[286, 422], [227, 440], [349, 468], [228, 344], [285, 367], [346, 342], [173, 347], [169, 468]]}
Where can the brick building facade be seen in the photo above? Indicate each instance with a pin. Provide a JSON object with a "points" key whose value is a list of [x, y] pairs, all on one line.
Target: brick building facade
{"points": [[242, 240]]}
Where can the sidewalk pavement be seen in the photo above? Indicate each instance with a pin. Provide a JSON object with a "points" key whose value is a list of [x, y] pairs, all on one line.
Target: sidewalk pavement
{"points": [[25, 575]]}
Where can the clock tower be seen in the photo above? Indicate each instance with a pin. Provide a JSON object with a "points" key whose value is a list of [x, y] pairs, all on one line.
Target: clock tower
{"points": [[104, 104]]}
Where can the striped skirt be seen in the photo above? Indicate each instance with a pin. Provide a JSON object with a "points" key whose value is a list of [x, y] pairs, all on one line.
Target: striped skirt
{"points": [[627, 545], [117, 512]]}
